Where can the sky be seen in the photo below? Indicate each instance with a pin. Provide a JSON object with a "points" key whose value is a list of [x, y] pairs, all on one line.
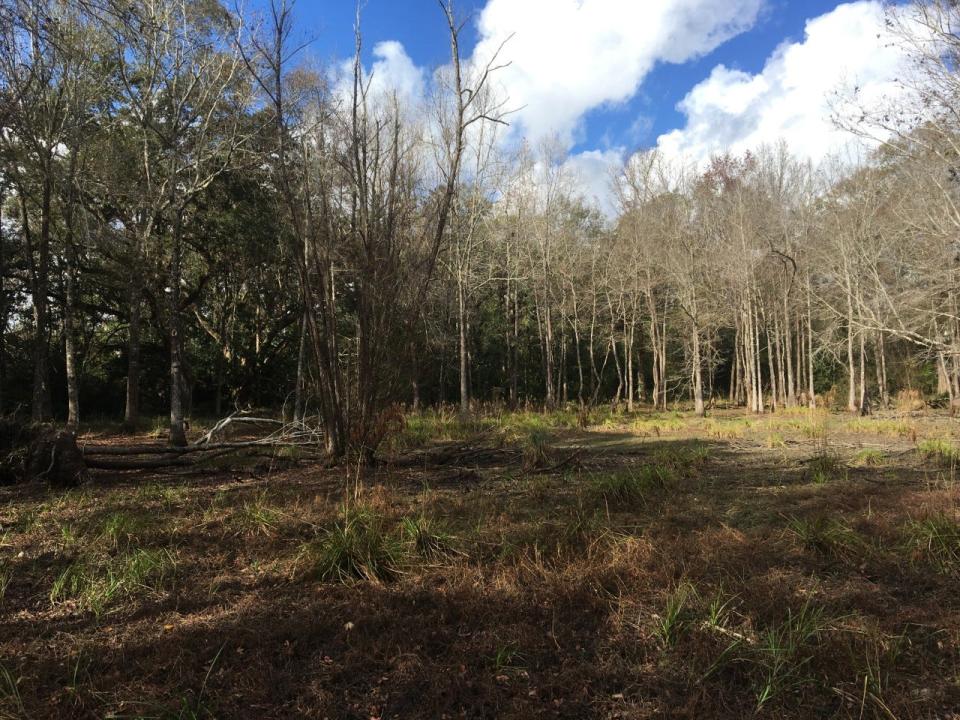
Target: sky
{"points": [[606, 78]]}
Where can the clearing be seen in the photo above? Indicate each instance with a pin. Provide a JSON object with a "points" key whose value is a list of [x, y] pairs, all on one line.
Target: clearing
{"points": [[658, 565]]}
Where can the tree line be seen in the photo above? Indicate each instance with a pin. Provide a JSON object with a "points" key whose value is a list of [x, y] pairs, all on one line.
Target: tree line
{"points": [[196, 218]]}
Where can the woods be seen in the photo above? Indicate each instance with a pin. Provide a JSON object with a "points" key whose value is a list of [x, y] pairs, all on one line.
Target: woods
{"points": [[192, 205]]}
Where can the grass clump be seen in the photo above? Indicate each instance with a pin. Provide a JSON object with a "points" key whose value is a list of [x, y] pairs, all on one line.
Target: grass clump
{"points": [[869, 457], [258, 517], [6, 576], [775, 440], [358, 547], [95, 586], [936, 541], [536, 450], [122, 528], [784, 651], [507, 658], [630, 486], [873, 426], [427, 538], [676, 617], [11, 702], [827, 536], [939, 450], [826, 466]]}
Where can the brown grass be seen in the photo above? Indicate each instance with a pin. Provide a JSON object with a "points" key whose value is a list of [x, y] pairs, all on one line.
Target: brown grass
{"points": [[702, 574]]}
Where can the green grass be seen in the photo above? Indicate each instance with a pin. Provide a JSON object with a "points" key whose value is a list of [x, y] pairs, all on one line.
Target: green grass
{"points": [[427, 537], [536, 450], [826, 467], [676, 617], [507, 658], [631, 486], [258, 517], [683, 458], [719, 609], [95, 586], [358, 547], [828, 536], [939, 450], [935, 541], [775, 440], [11, 701], [784, 651], [122, 528], [6, 576], [869, 457], [873, 426]]}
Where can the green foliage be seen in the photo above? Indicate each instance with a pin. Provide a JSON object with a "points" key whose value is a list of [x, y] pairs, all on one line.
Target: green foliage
{"points": [[826, 466], [258, 517], [11, 701], [775, 440], [507, 658], [536, 450]]}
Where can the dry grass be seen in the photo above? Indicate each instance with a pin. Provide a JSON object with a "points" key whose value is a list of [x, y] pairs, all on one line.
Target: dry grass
{"points": [[728, 568]]}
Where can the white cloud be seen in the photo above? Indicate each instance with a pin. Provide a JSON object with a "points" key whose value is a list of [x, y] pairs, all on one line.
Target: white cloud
{"points": [[392, 74], [393, 71], [571, 56], [593, 173], [790, 98]]}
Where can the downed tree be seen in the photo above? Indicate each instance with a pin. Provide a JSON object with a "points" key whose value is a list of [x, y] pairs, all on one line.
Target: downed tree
{"points": [[32, 452], [298, 435]]}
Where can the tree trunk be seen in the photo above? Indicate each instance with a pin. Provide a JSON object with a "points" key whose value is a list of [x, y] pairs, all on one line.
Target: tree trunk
{"points": [[881, 363], [852, 404], [40, 405], [300, 392], [131, 413], [811, 387], [178, 436], [697, 373], [69, 333], [462, 328]]}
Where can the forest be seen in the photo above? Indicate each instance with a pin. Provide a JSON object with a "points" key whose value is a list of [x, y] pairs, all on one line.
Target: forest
{"points": [[319, 402]]}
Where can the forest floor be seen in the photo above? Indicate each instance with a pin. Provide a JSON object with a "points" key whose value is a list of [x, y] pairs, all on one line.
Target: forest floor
{"points": [[799, 565]]}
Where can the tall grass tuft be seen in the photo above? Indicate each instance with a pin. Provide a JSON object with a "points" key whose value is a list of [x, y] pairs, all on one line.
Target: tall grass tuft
{"points": [[935, 540], [358, 547]]}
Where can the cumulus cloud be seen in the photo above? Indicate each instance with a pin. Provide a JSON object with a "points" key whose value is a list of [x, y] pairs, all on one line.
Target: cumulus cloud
{"points": [[568, 57], [593, 173], [392, 74], [790, 99]]}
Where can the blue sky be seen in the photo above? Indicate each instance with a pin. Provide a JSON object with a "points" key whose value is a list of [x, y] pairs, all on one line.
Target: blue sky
{"points": [[609, 77]]}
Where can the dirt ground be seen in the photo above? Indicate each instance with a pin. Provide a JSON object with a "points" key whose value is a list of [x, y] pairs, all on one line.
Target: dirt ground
{"points": [[794, 566]]}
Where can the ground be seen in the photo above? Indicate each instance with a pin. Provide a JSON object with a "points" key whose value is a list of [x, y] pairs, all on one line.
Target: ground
{"points": [[799, 565]]}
